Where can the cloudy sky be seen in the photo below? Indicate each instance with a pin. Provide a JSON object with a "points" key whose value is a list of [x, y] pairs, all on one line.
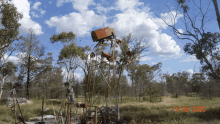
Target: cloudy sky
{"points": [[48, 17]]}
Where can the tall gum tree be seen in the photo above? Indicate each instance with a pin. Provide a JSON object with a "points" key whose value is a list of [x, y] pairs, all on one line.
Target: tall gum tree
{"points": [[71, 55], [31, 55], [204, 45], [8, 33]]}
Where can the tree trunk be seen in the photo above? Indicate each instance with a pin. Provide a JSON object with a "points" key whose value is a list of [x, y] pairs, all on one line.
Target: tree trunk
{"points": [[217, 12], [3, 81], [135, 92], [209, 92], [140, 94], [28, 78], [132, 85], [121, 97], [160, 97], [176, 95]]}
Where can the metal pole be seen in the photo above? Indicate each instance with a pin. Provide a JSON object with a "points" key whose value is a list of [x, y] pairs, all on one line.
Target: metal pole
{"points": [[108, 82], [104, 77], [14, 105], [95, 115], [69, 110], [119, 94], [42, 119], [109, 70], [90, 83], [87, 81], [93, 83], [113, 60]]}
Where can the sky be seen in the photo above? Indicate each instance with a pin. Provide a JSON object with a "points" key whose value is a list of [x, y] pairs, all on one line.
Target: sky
{"points": [[48, 17]]}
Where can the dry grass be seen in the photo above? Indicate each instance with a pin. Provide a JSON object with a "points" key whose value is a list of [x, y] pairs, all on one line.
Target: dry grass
{"points": [[134, 111]]}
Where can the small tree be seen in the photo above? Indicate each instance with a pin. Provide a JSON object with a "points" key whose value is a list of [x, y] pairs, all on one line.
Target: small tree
{"points": [[8, 69]]}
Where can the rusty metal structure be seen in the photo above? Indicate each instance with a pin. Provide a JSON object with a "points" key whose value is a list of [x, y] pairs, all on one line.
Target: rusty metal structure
{"points": [[16, 115], [94, 114], [105, 114]]}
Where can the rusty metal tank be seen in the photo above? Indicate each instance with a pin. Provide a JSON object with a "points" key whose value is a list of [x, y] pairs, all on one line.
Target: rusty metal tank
{"points": [[102, 34]]}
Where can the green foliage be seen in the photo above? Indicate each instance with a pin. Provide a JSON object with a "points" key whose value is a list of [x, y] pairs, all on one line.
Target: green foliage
{"points": [[10, 18], [72, 51], [32, 58], [63, 37], [8, 69]]}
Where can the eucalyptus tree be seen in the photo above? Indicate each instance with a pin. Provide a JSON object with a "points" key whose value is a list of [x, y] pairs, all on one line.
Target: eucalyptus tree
{"points": [[204, 45], [144, 77], [169, 82], [41, 79], [130, 45], [9, 24], [8, 33], [184, 81], [71, 55], [132, 68], [31, 54], [210, 88]]}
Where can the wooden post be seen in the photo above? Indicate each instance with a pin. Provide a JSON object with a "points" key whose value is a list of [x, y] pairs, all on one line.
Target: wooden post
{"points": [[69, 113], [20, 111]]}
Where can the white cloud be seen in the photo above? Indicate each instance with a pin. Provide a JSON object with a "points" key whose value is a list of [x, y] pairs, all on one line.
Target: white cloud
{"points": [[133, 19], [50, 2], [13, 59], [42, 12], [34, 14], [128, 4], [140, 22], [190, 71], [180, 30], [165, 45], [36, 7], [153, 63], [168, 18], [146, 58], [60, 2], [103, 10], [23, 6], [77, 75], [169, 70], [79, 23], [80, 5], [189, 59]]}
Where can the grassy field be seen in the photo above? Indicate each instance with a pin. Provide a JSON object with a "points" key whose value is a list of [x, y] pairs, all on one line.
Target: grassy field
{"points": [[139, 112]]}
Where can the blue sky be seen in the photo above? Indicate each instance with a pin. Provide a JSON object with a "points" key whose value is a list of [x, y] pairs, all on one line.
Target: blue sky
{"points": [[48, 17]]}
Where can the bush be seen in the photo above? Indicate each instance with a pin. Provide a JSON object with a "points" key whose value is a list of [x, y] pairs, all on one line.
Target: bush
{"points": [[174, 95], [3, 101]]}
